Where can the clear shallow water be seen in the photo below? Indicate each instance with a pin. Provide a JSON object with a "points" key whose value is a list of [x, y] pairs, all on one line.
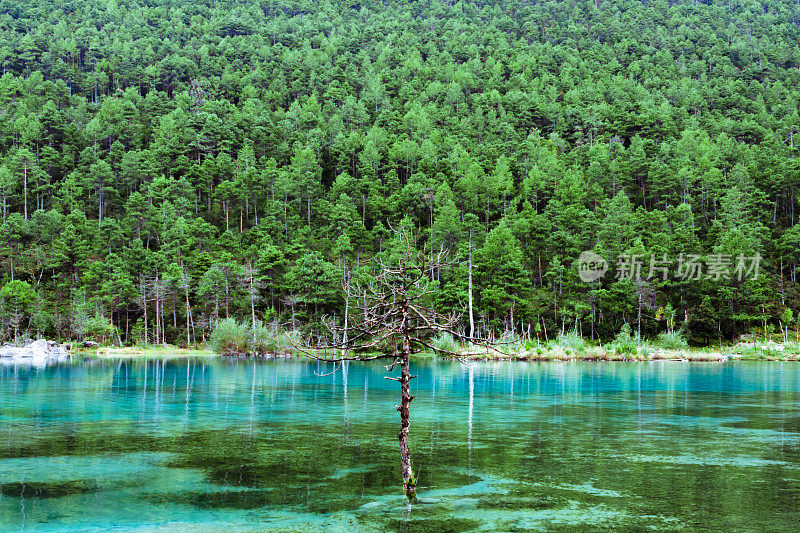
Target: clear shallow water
{"points": [[218, 445]]}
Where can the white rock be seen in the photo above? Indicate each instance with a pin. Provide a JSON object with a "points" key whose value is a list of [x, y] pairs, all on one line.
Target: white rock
{"points": [[39, 353]]}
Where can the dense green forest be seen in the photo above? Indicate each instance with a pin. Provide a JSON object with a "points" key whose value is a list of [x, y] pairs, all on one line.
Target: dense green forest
{"points": [[165, 163]]}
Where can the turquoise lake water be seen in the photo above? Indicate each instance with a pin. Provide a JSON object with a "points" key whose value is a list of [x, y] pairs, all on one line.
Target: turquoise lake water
{"points": [[221, 445]]}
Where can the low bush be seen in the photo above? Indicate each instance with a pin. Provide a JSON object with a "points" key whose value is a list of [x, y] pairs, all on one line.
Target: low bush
{"points": [[230, 337], [445, 342], [763, 350], [510, 342], [671, 341], [572, 341], [240, 338], [625, 343], [101, 330], [264, 340], [530, 345], [288, 341]]}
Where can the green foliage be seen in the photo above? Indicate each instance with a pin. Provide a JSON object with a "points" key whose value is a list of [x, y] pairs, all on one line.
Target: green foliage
{"points": [[500, 261], [18, 294], [445, 342], [100, 329], [786, 319], [264, 340], [288, 341], [671, 341], [44, 323], [571, 340], [763, 350], [625, 343], [230, 337], [147, 181]]}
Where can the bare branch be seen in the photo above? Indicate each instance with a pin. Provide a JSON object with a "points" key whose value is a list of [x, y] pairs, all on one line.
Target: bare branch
{"points": [[335, 368], [361, 359], [389, 302]]}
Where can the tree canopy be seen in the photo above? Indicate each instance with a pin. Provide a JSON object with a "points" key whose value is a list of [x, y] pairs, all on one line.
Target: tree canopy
{"points": [[152, 152]]}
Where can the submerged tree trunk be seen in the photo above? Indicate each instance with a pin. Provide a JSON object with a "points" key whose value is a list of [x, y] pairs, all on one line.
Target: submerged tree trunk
{"points": [[409, 483]]}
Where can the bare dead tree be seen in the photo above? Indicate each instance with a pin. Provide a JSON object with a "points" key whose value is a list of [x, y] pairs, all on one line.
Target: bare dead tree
{"points": [[645, 293], [292, 300], [393, 317], [252, 285], [159, 296], [15, 317], [198, 94], [142, 300]]}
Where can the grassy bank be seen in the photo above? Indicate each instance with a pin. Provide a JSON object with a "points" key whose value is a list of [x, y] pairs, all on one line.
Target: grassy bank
{"points": [[563, 349], [743, 351], [156, 352], [597, 353]]}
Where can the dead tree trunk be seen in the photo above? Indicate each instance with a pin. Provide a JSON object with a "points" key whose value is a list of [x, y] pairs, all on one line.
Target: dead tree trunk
{"points": [[409, 483]]}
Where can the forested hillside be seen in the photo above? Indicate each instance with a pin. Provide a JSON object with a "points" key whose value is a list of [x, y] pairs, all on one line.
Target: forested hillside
{"points": [[172, 162]]}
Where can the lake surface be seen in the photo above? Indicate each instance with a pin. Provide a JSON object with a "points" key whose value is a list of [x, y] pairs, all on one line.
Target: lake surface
{"points": [[220, 445]]}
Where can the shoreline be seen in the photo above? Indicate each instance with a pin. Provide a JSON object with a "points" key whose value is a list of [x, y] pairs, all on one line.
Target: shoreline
{"points": [[709, 355], [595, 354], [130, 352], [688, 357]]}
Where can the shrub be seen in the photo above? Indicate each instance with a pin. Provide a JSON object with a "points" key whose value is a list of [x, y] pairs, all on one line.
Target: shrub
{"points": [[265, 340], [286, 341], [672, 341], [445, 342], [624, 343], [510, 342], [762, 350], [230, 337], [44, 323], [572, 341], [792, 347], [100, 329]]}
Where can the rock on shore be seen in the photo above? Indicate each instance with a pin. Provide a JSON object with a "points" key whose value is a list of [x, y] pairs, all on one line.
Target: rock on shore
{"points": [[38, 353]]}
